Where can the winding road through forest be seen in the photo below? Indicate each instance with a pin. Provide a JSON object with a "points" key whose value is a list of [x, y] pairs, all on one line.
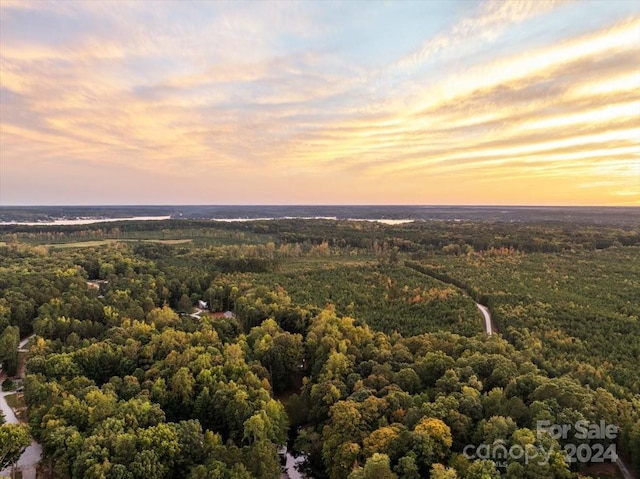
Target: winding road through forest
{"points": [[488, 322], [487, 318], [624, 470]]}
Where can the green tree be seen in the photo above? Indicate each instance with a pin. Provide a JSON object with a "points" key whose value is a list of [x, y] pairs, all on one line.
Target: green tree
{"points": [[14, 439], [495, 429], [438, 471], [262, 460], [344, 460], [9, 342], [346, 427], [163, 317], [147, 464], [377, 466], [484, 469], [407, 467], [62, 444], [184, 304], [382, 440], [432, 439]]}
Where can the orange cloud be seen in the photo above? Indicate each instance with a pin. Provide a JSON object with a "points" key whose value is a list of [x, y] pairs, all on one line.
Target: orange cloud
{"points": [[561, 119]]}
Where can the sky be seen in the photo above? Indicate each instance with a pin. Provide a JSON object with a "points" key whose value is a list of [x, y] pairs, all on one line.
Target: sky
{"points": [[356, 102]]}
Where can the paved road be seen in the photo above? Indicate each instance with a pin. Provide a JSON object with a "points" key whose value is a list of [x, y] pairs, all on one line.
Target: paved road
{"points": [[23, 343], [623, 469], [32, 455], [9, 416], [487, 321], [488, 326], [487, 317], [27, 462], [291, 467]]}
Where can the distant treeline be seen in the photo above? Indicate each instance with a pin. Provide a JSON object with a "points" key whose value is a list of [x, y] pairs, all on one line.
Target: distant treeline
{"points": [[505, 214], [418, 238]]}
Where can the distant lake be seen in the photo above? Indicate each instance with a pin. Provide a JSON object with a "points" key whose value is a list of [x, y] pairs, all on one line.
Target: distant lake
{"points": [[88, 221], [378, 220], [83, 221]]}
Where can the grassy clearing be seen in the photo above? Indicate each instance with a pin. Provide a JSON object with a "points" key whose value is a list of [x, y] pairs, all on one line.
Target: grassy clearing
{"points": [[93, 243], [294, 265], [82, 244], [167, 241], [14, 401]]}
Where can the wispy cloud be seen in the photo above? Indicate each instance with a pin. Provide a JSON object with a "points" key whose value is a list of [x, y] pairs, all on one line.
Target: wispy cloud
{"points": [[484, 25], [259, 99]]}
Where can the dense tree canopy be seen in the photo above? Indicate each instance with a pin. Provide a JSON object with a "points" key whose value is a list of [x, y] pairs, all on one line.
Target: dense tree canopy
{"points": [[357, 344]]}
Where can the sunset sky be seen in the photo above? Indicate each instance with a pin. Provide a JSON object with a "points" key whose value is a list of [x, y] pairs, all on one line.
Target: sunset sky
{"points": [[452, 102]]}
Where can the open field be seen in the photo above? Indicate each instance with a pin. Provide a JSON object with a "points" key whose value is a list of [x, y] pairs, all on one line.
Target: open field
{"points": [[167, 241], [93, 243], [305, 263], [82, 244]]}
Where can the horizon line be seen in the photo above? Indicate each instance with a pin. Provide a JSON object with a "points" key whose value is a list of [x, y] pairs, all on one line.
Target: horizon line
{"points": [[324, 205]]}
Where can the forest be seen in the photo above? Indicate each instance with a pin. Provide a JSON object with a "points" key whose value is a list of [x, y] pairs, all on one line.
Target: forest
{"points": [[198, 349]]}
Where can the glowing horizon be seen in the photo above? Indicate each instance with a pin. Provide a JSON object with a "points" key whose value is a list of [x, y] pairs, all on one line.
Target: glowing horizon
{"points": [[423, 103]]}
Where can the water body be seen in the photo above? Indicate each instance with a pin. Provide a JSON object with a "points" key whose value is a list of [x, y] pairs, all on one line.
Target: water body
{"points": [[332, 218], [88, 221], [83, 221]]}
